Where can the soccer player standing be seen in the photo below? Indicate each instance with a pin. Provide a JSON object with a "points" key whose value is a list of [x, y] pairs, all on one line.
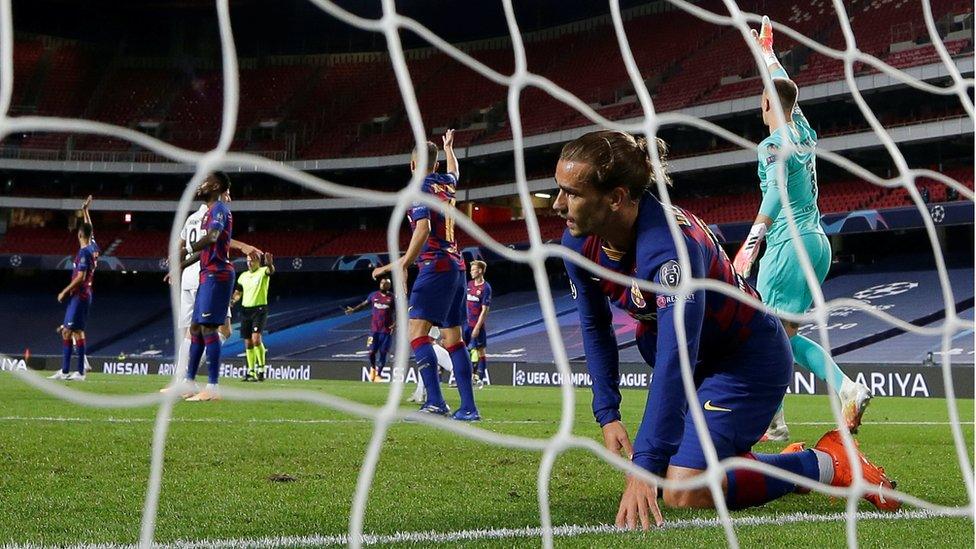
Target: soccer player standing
{"points": [[437, 297], [252, 292], [216, 283], [383, 319], [740, 357], [79, 295], [475, 332], [189, 285], [781, 279]]}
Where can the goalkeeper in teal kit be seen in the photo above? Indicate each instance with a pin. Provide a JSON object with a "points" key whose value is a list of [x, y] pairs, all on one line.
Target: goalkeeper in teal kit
{"points": [[781, 282]]}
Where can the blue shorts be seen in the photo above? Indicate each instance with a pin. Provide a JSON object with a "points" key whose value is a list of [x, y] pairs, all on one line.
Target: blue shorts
{"points": [[76, 316], [438, 298], [213, 299], [479, 342], [739, 399], [380, 342]]}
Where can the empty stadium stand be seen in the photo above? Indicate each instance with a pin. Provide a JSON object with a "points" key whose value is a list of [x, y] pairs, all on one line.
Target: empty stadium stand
{"points": [[351, 105]]}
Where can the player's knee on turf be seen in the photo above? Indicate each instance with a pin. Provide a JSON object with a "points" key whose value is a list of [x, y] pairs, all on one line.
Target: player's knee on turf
{"points": [[695, 498]]}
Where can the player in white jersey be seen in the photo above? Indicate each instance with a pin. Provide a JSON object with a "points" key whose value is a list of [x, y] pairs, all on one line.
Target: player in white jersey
{"points": [[443, 363], [190, 282]]}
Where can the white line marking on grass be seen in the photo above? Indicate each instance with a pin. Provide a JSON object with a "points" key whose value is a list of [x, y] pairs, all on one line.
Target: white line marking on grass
{"points": [[503, 533], [66, 419]]}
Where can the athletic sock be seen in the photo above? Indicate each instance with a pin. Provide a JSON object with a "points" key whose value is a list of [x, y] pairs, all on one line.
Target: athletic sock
{"points": [[196, 355], [212, 341], [372, 359], [423, 353], [815, 358], [81, 355], [461, 363], [250, 352], [260, 354], [66, 355], [381, 363], [183, 357], [482, 366], [748, 488]]}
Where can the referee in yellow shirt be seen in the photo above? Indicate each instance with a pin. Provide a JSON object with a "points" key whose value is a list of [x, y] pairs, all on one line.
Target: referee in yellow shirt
{"points": [[252, 292]]}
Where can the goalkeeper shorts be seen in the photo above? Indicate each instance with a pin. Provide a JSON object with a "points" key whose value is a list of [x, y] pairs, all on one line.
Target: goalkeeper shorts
{"points": [[781, 282]]}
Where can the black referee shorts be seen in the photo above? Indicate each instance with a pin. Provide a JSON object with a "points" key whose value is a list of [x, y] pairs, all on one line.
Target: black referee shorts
{"points": [[253, 320]]}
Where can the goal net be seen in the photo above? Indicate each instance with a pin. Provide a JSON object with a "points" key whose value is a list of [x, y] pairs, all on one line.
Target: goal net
{"points": [[390, 25]]}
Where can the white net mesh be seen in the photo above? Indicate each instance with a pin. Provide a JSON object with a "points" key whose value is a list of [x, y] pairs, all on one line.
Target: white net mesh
{"points": [[390, 24]]}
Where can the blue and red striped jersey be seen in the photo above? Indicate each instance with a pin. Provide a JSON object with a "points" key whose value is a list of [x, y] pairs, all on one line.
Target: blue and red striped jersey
{"points": [[85, 262], [215, 258], [478, 298], [716, 325], [384, 311], [440, 252]]}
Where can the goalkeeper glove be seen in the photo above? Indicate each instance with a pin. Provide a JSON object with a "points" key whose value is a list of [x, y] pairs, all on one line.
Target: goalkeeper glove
{"points": [[764, 38], [746, 255]]}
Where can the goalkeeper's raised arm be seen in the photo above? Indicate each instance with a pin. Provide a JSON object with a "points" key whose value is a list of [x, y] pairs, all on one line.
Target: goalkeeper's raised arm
{"points": [[790, 130]]}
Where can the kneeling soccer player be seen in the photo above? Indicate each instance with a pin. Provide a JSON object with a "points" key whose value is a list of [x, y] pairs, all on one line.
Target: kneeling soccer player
{"points": [[740, 356]]}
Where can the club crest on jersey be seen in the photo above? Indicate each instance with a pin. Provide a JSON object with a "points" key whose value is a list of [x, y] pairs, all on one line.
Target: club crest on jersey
{"points": [[670, 274], [637, 295], [771, 149]]}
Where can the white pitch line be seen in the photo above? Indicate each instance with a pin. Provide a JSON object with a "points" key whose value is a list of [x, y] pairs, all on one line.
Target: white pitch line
{"points": [[499, 533], [63, 419]]}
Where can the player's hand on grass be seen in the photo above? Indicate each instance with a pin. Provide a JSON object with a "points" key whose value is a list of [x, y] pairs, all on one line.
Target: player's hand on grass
{"points": [[448, 139], [615, 438], [638, 506]]}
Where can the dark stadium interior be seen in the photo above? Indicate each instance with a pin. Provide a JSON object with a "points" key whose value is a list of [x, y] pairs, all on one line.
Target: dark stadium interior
{"points": [[315, 89]]}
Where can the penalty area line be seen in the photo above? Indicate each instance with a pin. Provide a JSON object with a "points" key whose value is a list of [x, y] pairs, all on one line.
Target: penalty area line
{"points": [[505, 533], [69, 419]]}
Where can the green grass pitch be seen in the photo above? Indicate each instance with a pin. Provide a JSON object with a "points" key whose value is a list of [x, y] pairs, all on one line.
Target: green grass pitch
{"points": [[73, 474]]}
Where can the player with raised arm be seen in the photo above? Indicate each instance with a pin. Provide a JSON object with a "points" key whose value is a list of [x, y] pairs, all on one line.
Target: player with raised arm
{"points": [[781, 282], [79, 294], [189, 284], [437, 297], [252, 292], [740, 357], [479, 302], [383, 303]]}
